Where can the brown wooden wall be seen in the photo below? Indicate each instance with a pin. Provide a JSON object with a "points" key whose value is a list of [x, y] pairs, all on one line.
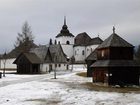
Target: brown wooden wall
{"points": [[121, 53], [99, 75], [106, 54], [115, 53]]}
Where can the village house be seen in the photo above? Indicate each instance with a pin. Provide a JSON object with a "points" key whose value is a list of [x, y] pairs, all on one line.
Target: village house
{"points": [[12, 55], [76, 49], [115, 64], [43, 59]]}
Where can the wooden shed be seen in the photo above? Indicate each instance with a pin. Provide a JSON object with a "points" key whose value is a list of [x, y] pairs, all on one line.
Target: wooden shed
{"points": [[28, 63], [115, 64]]}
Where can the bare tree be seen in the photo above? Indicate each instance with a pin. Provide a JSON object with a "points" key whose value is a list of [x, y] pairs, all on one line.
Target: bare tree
{"points": [[25, 35]]}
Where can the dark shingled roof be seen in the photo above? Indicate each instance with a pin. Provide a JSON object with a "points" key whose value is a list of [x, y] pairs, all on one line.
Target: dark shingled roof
{"points": [[92, 56], [114, 41], [65, 31], [24, 47], [115, 63], [40, 51], [50, 54], [82, 39], [57, 53], [95, 41], [32, 57]]}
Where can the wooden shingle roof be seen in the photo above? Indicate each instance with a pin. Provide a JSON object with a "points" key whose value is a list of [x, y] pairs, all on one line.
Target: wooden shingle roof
{"points": [[95, 41], [92, 56], [114, 41], [82, 39], [32, 58]]}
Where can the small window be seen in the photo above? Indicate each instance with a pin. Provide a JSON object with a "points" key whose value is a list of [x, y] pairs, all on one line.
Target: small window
{"points": [[75, 53], [103, 53], [59, 42], [59, 65], [87, 49], [55, 65], [83, 52], [67, 42]]}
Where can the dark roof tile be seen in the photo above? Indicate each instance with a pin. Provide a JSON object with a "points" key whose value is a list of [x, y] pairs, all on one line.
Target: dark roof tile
{"points": [[114, 41]]}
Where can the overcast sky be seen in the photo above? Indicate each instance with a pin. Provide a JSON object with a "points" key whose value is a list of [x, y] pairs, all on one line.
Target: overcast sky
{"points": [[46, 19]]}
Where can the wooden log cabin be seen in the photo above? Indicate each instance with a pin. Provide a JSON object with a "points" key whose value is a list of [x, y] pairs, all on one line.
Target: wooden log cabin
{"points": [[115, 64], [28, 63]]}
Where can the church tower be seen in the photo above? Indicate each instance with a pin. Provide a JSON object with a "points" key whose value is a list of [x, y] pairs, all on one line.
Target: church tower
{"points": [[66, 39]]}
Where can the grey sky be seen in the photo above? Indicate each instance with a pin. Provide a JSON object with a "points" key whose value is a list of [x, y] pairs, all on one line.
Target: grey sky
{"points": [[91, 16]]}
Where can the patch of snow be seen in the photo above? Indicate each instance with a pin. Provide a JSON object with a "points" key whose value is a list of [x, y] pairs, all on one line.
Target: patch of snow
{"points": [[65, 90]]}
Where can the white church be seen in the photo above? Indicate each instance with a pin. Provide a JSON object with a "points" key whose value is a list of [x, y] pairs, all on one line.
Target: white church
{"points": [[74, 47], [78, 47]]}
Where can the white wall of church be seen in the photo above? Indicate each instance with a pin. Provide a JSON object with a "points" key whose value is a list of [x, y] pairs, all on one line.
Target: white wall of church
{"points": [[68, 50], [79, 53], [90, 49], [64, 39], [9, 64], [67, 47]]}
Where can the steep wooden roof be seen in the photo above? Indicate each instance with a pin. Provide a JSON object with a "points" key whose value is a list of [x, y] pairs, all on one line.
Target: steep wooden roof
{"points": [[95, 41], [57, 53], [92, 56], [40, 51], [24, 47], [51, 53], [83, 39], [32, 58], [114, 40]]}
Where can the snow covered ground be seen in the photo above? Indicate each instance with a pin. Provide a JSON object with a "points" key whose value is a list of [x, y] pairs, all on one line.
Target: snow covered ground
{"points": [[65, 90]]}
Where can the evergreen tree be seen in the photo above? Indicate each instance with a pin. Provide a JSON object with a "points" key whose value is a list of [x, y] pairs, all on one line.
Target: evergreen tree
{"points": [[25, 36]]}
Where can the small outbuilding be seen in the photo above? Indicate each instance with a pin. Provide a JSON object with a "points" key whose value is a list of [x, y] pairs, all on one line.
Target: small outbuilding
{"points": [[115, 64], [28, 63]]}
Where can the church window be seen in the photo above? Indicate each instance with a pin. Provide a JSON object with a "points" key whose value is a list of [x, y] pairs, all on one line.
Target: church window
{"points": [[83, 52], [55, 65], [75, 53], [67, 42]]}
